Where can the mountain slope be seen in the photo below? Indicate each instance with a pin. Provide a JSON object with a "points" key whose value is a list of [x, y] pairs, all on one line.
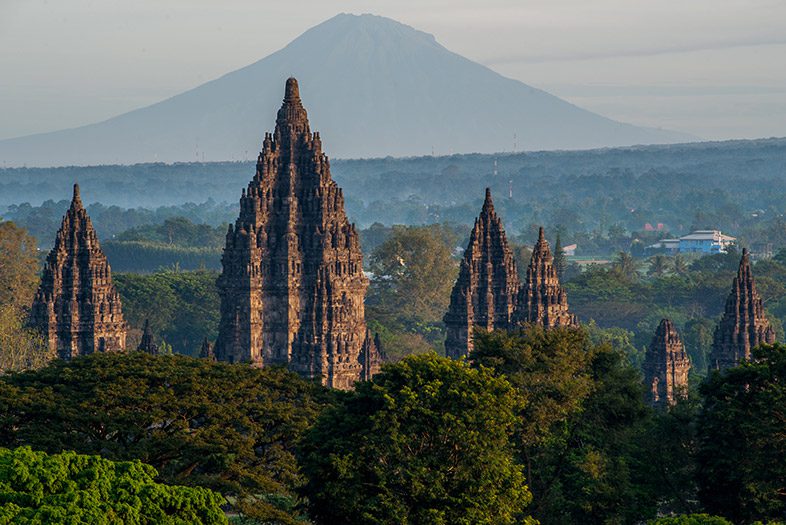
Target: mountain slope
{"points": [[372, 86]]}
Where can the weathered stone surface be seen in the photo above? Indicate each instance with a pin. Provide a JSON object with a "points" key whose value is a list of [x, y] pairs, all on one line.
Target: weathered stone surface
{"points": [[292, 286], [743, 325], [542, 299], [666, 367], [206, 352], [487, 287], [146, 344], [76, 306]]}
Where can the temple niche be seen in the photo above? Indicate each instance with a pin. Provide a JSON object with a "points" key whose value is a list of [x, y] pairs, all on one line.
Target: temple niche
{"points": [[292, 286], [666, 367], [76, 307], [743, 325]]}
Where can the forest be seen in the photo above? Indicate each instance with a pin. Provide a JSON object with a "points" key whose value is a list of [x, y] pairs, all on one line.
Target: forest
{"points": [[535, 426]]}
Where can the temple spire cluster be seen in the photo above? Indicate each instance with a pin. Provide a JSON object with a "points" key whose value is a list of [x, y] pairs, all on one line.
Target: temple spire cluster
{"points": [[76, 307], [292, 287], [488, 293]]}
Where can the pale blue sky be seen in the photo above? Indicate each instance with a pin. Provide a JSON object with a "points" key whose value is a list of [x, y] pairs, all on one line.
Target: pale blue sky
{"points": [[714, 68]]}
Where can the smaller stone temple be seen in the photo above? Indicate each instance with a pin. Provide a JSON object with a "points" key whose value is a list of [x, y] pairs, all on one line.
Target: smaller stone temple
{"points": [[666, 367], [76, 307], [487, 287], [206, 352], [543, 300], [147, 344], [743, 325]]}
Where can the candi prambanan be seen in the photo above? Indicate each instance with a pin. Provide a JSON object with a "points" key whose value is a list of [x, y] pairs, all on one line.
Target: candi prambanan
{"points": [[292, 286]]}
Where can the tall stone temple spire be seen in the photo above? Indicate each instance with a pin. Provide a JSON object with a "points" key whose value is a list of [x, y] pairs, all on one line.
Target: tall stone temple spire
{"points": [[666, 367], [487, 287], [76, 306], [542, 299], [743, 325], [292, 285]]}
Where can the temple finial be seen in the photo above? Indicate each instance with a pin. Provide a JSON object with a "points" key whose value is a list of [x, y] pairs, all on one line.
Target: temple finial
{"points": [[292, 91], [541, 235], [488, 203], [76, 200]]}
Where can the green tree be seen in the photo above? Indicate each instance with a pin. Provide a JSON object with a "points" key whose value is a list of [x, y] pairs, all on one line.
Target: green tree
{"points": [[691, 519], [680, 265], [414, 273], [626, 267], [560, 259], [742, 445], [182, 307], [18, 266], [72, 488], [659, 266], [231, 428], [21, 348], [427, 442], [582, 424]]}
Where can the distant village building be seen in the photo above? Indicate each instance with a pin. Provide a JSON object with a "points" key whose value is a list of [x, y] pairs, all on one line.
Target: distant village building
{"points": [[570, 250], [706, 242]]}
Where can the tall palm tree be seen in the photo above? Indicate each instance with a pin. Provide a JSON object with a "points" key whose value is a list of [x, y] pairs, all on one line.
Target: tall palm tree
{"points": [[659, 266], [626, 266]]}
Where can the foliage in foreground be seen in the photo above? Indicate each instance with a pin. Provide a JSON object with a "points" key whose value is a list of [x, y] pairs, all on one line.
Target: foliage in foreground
{"points": [[741, 440], [580, 426], [426, 442], [21, 348], [72, 488], [231, 428], [691, 519]]}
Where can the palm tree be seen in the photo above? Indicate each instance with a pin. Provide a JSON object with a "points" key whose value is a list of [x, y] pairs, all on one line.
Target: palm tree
{"points": [[626, 266], [680, 265], [659, 266]]}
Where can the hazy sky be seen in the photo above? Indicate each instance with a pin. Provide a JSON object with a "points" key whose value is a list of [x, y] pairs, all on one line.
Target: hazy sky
{"points": [[714, 68]]}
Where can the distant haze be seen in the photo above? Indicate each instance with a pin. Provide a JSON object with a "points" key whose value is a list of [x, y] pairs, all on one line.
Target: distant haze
{"points": [[375, 87], [708, 68]]}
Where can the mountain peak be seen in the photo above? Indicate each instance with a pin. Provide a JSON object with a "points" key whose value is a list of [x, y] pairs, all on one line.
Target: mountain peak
{"points": [[375, 86]]}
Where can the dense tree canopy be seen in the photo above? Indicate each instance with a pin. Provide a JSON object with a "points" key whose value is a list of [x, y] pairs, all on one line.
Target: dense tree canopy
{"points": [[230, 428], [72, 488], [182, 307], [413, 274], [427, 442], [741, 439], [21, 348], [580, 427]]}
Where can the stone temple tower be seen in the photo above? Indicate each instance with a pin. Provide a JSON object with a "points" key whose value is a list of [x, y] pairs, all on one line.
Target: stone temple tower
{"points": [[743, 325], [487, 287], [292, 286], [666, 367], [76, 306], [542, 299]]}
